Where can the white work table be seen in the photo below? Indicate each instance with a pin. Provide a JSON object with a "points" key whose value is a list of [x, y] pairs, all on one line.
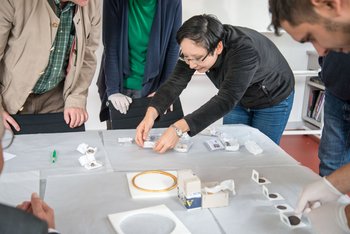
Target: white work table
{"points": [[130, 157], [82, 199]]}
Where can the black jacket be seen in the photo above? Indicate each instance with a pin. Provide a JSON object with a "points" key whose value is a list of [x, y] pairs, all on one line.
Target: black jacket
{"points": [[250, 71]]}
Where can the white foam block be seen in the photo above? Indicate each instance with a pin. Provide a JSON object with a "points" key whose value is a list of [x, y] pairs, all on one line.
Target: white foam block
{"points": [[160, 213]]}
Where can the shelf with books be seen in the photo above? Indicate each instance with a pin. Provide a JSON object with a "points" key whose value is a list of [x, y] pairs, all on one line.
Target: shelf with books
{"points": [[312, 110], [313, 103]]}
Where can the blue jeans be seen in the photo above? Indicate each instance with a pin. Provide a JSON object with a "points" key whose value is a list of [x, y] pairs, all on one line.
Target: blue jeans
{"points": [[334, 149], [271, 120]]}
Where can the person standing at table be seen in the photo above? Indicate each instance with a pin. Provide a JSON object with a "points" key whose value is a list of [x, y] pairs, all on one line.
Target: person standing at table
{"points": [[47, 57], [255, 82], [334, 148], [30, 217], [325, 24], [140, 50]]}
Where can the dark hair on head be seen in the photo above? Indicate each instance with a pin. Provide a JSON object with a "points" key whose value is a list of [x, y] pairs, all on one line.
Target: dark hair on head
{"points": [[294, 12], [205, 30]]}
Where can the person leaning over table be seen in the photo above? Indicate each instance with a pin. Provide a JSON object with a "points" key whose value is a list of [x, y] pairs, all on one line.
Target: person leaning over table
{"points": [[30, 217], [140, 50], [47, 57], [255, 83], [326, 25], [334, 148]]}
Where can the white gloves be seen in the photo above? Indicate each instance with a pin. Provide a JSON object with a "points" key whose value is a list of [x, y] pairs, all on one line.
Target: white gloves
{"points": [[329, 218], [315, 194], [120, 102]]}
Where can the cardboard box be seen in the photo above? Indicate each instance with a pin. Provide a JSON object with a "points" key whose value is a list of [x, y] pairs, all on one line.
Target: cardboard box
{"points": [[189, 189], [211, 200]]}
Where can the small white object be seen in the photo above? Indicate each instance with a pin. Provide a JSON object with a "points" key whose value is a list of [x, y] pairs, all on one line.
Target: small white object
{"points": [[253, 147], [125, 139], [117, 220], [8, 156], [275, 197], [150, 142], [82, 148], [192, 186], [223, 186], [260, 180], [88, 159], [189, 189], [210, 132], [183, 146], [86, 149], [93, 165], [182, 177], [89, 162], [214, 144], [91, 151], [231, 144], [212, 200]]}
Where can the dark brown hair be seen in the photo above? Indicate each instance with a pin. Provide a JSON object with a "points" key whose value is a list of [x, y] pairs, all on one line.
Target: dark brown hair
{"points": [[204, 30], [294, 12]]}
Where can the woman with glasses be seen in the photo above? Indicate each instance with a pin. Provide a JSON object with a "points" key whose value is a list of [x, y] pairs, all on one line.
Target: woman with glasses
{"points": [[255, 83]]}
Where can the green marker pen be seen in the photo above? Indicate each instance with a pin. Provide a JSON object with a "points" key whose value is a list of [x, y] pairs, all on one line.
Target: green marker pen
{"points": [[54, 156]]}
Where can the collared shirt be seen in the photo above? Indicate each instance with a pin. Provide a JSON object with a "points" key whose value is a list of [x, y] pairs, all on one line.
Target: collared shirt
{"points": [[55, 71]]}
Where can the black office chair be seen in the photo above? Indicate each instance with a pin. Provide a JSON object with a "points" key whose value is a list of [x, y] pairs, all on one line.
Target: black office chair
{"points": [[43, 123], [137, 111]]}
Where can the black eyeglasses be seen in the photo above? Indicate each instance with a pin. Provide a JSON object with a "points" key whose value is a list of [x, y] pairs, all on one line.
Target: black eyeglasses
{"points": [[196, 61]]}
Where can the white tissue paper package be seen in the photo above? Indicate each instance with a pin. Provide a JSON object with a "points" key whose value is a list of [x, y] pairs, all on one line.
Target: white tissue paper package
{"points": [[216, 194], [223, 186]]}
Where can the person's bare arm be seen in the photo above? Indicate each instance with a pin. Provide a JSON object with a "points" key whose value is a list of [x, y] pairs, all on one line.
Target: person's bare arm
{"points": [[340, 179]]}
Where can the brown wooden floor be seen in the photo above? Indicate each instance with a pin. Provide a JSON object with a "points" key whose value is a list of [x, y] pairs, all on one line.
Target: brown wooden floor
{"points": [[302, 148]]}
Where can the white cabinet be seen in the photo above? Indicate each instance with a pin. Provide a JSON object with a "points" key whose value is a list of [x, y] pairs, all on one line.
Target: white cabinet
{"points": [[308, 125], [311, 122]]}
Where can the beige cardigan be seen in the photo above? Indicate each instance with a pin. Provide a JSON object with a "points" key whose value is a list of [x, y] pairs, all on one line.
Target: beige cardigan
{"points": [[27, 31]]}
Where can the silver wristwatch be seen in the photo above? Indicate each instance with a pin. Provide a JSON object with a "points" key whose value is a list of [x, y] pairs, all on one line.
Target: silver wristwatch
{"points": [[178, 131]]}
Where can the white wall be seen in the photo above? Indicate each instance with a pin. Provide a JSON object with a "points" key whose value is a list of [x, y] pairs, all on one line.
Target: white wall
{"points": [[248, 13]]}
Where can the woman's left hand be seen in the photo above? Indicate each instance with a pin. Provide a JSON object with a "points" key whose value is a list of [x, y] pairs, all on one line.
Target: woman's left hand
{"points": [[168, 140]]}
